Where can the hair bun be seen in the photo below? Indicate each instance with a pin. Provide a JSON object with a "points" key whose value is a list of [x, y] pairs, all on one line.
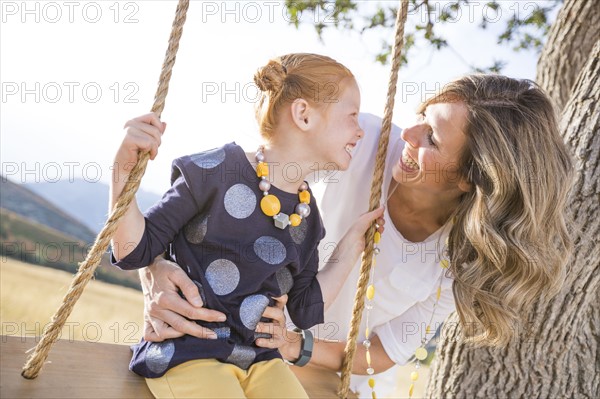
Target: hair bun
{"points": [[270, 77]]}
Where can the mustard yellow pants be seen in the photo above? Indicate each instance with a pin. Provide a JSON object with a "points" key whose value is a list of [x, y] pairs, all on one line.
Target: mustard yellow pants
{"points": [[209, 378]]}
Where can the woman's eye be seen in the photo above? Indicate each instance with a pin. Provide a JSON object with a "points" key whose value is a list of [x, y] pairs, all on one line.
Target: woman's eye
{"points": [[421, 116], [430, 138]]}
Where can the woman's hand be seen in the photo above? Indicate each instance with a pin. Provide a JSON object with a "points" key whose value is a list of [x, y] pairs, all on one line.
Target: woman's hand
{"points": [[166, 313], [288, 342]]}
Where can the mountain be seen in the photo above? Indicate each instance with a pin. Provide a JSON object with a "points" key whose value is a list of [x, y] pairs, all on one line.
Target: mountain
{"points": [[86, 201], [36, 231], [19, 200]]}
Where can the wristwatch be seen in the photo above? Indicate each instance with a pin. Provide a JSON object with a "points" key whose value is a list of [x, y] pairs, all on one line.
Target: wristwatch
{"points": [[306, 347]]}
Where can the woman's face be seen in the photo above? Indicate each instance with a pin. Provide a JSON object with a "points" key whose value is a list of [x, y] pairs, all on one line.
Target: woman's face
{"points": [[434, 145]]}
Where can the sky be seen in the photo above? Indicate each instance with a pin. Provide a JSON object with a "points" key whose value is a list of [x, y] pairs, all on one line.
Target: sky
{"points": [[73, 72]]}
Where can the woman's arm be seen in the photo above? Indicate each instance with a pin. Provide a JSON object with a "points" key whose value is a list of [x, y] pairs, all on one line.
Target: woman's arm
{"points": [[329, 354], [143, 134], [326, 353], [333, 275]]}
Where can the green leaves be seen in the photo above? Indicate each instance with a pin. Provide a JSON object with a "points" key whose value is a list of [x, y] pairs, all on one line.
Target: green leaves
{"points": [[526, 23], [528, 27], [326, 14]]}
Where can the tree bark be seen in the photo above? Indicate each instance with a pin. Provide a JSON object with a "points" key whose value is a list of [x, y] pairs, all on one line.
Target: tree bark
{"points": [[570, 41], [561, 358]]}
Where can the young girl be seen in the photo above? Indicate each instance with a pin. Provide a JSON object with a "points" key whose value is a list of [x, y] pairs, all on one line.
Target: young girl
{"points": [[245, 229]]}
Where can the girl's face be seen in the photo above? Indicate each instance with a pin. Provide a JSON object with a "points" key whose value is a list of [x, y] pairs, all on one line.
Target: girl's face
{"points": [[338, 130], [434, 145]]}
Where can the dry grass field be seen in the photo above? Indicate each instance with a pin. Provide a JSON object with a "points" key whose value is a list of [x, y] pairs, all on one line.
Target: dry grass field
{"points": [[29, 296]]}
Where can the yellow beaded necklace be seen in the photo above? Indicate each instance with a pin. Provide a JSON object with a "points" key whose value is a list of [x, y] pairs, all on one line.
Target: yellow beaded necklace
{"points": [[270, 204], [421, 352]]}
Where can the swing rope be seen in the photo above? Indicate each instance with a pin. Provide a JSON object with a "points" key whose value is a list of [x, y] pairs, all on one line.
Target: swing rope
{"points": [[88, 266], [374, 202]]}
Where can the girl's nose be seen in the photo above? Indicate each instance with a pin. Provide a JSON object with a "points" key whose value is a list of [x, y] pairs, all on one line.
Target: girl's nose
{"points": [[360, 133]]}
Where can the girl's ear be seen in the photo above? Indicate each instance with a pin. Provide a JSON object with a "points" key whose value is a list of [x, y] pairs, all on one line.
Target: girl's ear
{"points": [[301, 113]]}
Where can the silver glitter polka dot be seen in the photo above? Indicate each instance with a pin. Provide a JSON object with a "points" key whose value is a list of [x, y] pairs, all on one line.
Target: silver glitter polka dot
{"points": [[223, 276], [158, 356], [209, 159], [241, 356], [284, 280], [252, 309], [240, 201], [298, 233], [195, 230], [270, 250], [222, 332]]}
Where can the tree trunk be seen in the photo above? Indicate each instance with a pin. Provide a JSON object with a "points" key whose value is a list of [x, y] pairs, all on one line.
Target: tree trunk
{"points": [[570, 41], [561, 358]]}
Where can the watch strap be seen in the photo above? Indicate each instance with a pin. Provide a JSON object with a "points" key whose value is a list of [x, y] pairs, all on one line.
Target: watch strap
{"points": [[306, 347]]}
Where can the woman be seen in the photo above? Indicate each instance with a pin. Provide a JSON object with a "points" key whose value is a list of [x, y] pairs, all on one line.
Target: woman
{"points": [[480, 180]]}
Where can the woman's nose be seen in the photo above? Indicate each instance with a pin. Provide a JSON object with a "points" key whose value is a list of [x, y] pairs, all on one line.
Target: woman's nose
{"points": [[411, 135]]}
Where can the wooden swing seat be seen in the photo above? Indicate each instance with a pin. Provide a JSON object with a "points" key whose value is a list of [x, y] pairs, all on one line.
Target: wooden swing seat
{"points": [[97, 370]]}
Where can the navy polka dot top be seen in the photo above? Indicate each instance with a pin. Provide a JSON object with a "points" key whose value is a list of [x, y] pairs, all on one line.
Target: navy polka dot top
{"points": [[211, 224]]}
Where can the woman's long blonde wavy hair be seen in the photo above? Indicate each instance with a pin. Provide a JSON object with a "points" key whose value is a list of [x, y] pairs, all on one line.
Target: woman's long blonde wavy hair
{"points": [[509, 244]]}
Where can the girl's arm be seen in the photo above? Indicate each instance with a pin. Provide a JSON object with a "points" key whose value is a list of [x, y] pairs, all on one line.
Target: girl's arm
{"points": [[333, 275], [143, 134], [313, 290]]}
